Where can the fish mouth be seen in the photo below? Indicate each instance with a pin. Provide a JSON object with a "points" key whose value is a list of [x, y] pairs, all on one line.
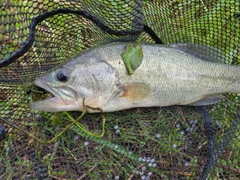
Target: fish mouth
{"points": [[61, 98]]}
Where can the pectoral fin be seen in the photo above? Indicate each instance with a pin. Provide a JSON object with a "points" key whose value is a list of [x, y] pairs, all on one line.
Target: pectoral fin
{"points": [[208, 100], [135, 91]]}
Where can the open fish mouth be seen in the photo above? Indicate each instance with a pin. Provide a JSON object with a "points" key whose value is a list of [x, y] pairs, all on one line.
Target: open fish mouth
{"points": [[56, 99], [52, 95]]}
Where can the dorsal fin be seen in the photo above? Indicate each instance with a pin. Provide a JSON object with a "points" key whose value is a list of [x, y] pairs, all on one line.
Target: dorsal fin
{"points": [[203, 52]]}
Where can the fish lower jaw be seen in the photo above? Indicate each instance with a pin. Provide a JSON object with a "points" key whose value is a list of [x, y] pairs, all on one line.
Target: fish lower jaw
{"points": [[54, 104], [54, 99]]}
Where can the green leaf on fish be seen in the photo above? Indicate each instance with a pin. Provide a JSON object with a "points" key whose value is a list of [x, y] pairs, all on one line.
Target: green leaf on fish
{"points": [[132, 57]]}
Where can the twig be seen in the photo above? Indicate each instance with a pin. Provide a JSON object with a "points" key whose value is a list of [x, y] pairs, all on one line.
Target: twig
{"points": [[85, 174], [183, 173], [57, 177], [235, 170], [2, 176], [180, 112], [131, 176]]}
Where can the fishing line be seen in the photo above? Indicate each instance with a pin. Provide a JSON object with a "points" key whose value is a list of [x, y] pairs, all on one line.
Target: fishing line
{"points": [[66, 128]]}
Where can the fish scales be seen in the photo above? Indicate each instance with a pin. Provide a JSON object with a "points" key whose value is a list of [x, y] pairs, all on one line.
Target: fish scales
{"points": [[168, 75]]}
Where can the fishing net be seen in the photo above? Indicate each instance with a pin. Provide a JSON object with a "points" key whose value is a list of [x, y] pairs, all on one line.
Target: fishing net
{"points": [[143, 143]]}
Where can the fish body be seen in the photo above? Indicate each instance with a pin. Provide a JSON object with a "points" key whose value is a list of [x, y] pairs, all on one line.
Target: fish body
{"points": [[168, 75]]}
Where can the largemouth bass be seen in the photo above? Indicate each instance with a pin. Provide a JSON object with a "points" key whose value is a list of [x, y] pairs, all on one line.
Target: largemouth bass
{"points": [[180, 74]]}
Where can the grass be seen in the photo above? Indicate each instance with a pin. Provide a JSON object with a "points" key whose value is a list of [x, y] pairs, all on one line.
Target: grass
{"points": [[105, 157]]}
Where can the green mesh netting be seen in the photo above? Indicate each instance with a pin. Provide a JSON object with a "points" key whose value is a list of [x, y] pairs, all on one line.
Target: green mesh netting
{"points": [[143, 143]]}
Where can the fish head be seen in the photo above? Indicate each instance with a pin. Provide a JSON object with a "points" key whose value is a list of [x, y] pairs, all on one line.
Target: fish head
{"points": [[59, 83], [72, 83]]}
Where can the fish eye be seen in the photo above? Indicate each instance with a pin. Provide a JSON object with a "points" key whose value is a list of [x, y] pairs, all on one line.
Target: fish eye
{"points": [[62, 76]]}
